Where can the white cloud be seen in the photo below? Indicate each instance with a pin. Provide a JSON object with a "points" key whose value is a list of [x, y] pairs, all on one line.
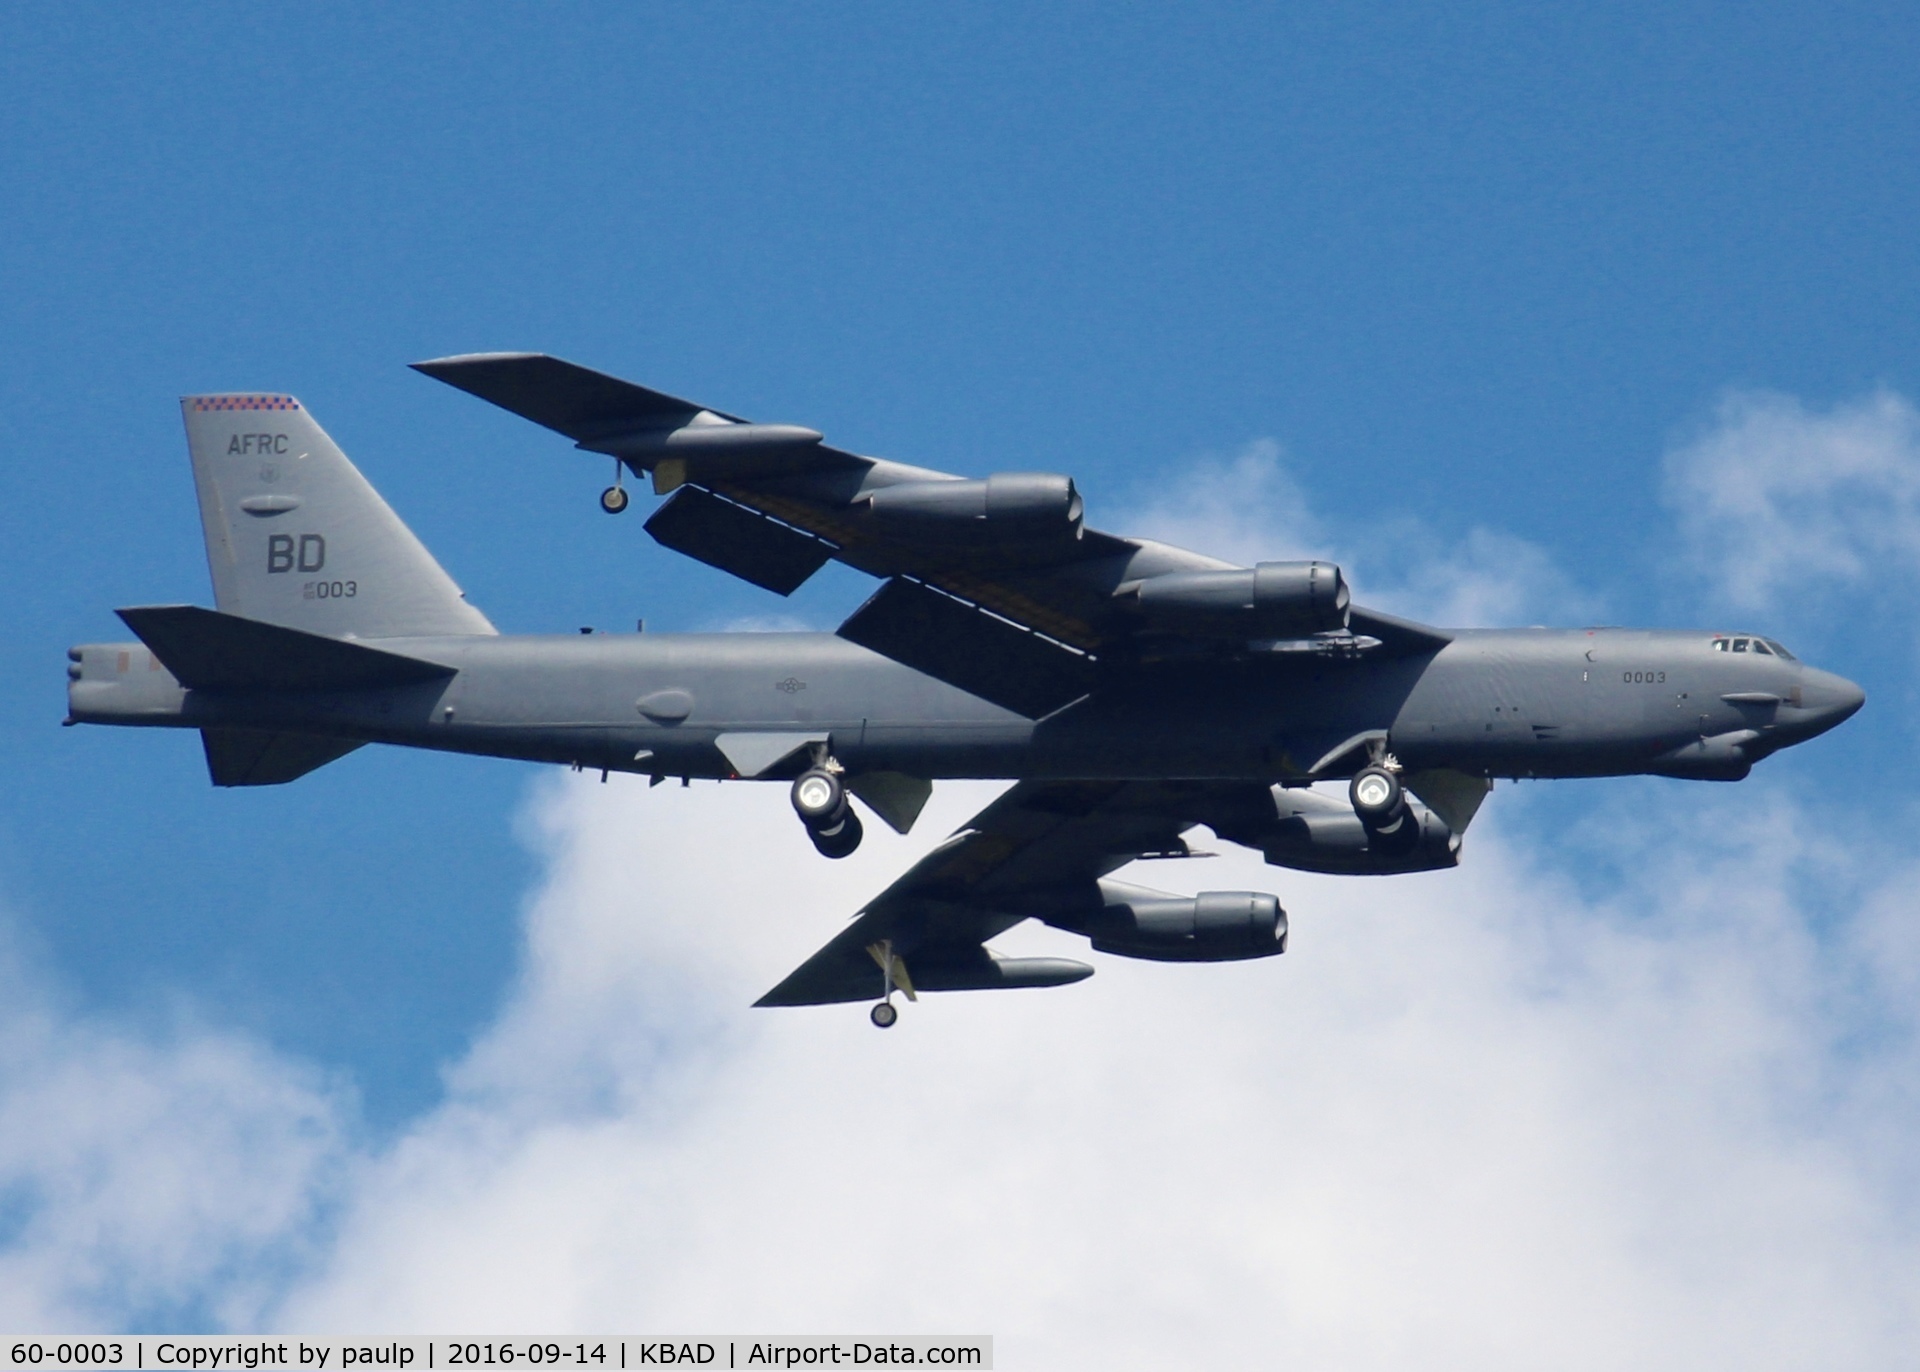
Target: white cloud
{"points": [[1246, 508], [169, 1174], [1473, 1119], [765, 624], [1501, 1117], [1793, 508], [1249, 508], [1487, 579]]}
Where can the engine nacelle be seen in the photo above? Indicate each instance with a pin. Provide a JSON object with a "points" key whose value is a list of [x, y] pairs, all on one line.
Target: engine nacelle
{"points": [[1005, 507], [1316, 833], [1214, 926], [1271, 600]]}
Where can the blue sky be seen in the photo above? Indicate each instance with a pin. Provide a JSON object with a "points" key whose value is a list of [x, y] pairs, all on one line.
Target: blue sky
{"points": [[1608, 312]]}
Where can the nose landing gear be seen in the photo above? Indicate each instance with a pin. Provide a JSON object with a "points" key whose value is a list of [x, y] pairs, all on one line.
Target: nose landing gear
{"points": [[820, 799]]}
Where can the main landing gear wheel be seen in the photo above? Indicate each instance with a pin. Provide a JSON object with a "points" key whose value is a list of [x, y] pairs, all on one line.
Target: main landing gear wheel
{"points": [[838, 840], [820, 799], [818, 796], [1375, 793], [614, 499], [883, 1015]]}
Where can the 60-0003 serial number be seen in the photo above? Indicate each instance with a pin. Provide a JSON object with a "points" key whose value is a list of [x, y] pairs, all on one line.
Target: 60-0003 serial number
{"points": [[67, 1354]]}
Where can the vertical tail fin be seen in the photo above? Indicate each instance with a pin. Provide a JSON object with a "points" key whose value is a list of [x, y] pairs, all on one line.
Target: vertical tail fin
{"points": [[296, 536]]}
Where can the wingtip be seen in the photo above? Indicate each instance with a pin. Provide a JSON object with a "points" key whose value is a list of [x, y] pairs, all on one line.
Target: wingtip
{"points": [[434, 365]]}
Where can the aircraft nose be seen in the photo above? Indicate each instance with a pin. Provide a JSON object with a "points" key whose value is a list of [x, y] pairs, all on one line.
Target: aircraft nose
{"points": [[1830, 698]]}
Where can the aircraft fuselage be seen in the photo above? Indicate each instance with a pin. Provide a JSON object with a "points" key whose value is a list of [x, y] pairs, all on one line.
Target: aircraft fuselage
{"points": [[1514, 702]]}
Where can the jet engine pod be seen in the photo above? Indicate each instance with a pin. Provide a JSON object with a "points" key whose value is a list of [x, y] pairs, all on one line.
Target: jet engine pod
{"points": [[1214, 926], [1271, 600], [1005, 507]]}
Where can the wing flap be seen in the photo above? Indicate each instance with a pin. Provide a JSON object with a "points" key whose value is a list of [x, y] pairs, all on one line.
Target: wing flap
{"points": [[772, 555], [964, 646]]}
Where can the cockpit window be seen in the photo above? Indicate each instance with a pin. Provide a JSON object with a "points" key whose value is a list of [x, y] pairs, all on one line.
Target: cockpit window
{"points": [[1767, 647]]}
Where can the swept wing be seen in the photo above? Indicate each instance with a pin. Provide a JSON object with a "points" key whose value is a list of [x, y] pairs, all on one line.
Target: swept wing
{"points": [[1038, 852], [996, 586]]}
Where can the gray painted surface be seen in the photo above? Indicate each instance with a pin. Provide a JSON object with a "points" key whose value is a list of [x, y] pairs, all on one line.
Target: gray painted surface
{"points": [[336, 628]]}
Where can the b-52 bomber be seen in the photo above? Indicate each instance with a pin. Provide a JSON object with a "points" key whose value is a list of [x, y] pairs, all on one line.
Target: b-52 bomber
{"points": [[1132, 690]]}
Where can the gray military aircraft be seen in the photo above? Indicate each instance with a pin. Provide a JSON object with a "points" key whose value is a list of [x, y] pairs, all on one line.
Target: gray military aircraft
{"points": [[1133, 690]]}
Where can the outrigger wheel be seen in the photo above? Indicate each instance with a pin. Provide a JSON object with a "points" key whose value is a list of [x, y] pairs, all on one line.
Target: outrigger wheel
{"points": [[614, 499], [883, 1015]]}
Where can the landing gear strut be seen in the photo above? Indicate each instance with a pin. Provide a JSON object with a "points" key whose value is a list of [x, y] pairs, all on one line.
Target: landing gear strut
{"points": [[820, 799], [893, 973], [615, 499]]}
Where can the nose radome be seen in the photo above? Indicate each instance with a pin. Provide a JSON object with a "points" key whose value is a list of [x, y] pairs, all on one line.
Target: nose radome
{"points": [[1834, 696]]}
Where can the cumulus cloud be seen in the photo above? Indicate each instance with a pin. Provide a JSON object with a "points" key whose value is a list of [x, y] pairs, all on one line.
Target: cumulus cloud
{"points": [[1482, 1118], [1478, 1119], [1487, 579], [1786, 506], [1248, 507], [159, 1174], [765, 624], [1541, 1109]]}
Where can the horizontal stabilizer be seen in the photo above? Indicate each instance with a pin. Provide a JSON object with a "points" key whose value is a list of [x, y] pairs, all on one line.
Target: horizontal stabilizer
{"points": [[260, 757], [581, 403], [983, 654], [208, 650]]}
